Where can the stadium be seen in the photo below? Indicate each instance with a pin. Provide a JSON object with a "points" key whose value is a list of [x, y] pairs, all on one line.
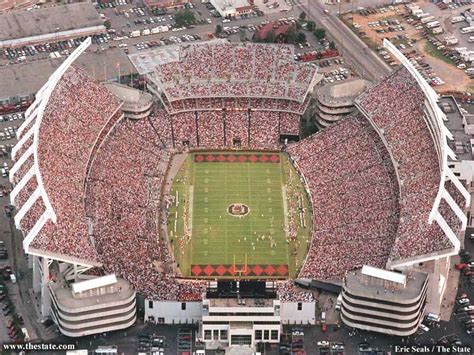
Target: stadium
{"points": [[215, 195]]}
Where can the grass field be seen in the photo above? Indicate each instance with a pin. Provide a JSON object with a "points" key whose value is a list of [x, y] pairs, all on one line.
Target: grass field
{"points": [[202, 230]]}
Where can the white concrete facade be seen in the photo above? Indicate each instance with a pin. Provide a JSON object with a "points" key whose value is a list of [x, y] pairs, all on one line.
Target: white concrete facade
{"points": [[298, 313], [223, 323], [173, 312]]}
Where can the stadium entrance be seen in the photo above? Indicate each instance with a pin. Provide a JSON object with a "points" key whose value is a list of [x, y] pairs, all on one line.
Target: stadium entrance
{"points": [[289, 138]]}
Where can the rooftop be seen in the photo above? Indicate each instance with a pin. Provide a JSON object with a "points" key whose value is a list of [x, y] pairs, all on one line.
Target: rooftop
{"points": [[230, 4], [233, 302], [384, 274], [342, 94], [414, 283], [23, 23], [146, 62], [65, 298], [27, 78], [97, 282], [461, 145], [133, 99]]}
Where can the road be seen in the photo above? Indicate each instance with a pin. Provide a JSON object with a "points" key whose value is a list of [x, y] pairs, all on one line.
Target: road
{"points": [[352, 48]]}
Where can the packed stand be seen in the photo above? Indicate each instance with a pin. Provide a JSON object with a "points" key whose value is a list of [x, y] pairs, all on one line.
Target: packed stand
{"points": [[218, 129], [237, 103], [222, 69], [211, 129], [63, 159], [237, 127], [124, 190], [355, 206], [264, 129], [288, 292], [289, 124], [397, 106]]}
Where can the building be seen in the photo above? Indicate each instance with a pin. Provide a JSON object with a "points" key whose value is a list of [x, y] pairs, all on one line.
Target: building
{"points": [[384, 301], [92, 306], [49, 24], [234, 313], [279, 32], [461, 125], [16, 4], [136, 104], [336, 100], [232, 8], [164, 4], [20, 82]]}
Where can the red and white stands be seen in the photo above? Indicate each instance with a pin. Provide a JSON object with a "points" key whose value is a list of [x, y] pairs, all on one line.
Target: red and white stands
{"points": [[88, 181], [242, 75], [409, 135], [354, 198]]}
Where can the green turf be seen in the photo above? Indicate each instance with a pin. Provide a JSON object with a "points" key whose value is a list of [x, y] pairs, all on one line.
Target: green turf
{"points": [[205, 192]]}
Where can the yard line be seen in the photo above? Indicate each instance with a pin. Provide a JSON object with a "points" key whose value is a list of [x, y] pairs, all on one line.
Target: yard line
{"points": [[191, 171], [285, 214], [225, 219], [250, 199]]}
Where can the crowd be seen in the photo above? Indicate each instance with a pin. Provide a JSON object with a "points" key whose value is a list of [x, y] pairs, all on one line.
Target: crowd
{"points": [[264, 129], [124, 189], [62, 170], [418, 167], [223, 69], [355, 208], [234, 103], [211, 129], [218, 129], [288, 292], [236, 128], [103, 175], [289, 123]]}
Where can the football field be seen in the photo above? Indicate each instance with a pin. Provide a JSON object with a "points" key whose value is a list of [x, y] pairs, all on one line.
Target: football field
{"points": [[235, 214]]}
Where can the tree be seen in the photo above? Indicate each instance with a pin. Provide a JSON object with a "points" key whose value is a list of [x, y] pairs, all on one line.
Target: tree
{"points": [[291, 35], [303, 16], [332, 45], [184, 18], [300, 37], [270, 37], [319, 33], [218, 30], [243, 36], [310, 26], [107, 24]]}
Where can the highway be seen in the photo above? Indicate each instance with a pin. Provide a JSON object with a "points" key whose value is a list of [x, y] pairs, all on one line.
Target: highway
{"points": [[352, 48]]}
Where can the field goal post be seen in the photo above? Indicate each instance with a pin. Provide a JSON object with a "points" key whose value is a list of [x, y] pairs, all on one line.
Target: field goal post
{"points": [[240, 271]]}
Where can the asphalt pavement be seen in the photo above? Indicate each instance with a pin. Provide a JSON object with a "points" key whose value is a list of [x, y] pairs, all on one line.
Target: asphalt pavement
{"points": [[351, 47]]}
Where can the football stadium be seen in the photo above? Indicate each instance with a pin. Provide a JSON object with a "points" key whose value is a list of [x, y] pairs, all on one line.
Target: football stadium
{"points": [[243, 214], [214, 201]]}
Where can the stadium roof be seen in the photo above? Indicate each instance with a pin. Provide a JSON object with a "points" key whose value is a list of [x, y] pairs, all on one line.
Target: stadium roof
{"points": [[384, 274], [415, 282], [94, 283], [342, 94], [22, 80], [132, 98], [23, 23], [455, 123], [326, 286], [146, 62]]}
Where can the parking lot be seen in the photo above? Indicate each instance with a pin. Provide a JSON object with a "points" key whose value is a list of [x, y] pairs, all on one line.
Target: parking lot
{"points": [[13, 325], [432, 53], [133, 28]]}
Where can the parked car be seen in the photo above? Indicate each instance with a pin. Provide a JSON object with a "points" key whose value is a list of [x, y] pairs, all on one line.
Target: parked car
{"points": [[463, 302]]}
